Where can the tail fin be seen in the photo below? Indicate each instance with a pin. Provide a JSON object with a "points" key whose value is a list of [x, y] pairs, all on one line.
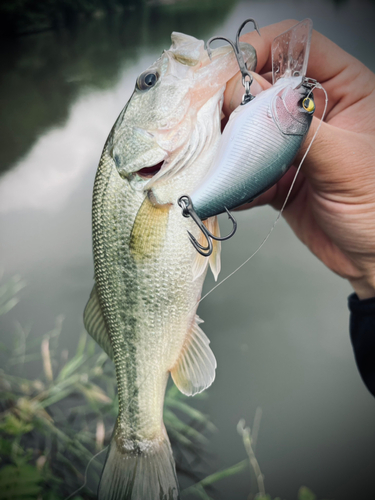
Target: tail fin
{"points": [[139, 470]]}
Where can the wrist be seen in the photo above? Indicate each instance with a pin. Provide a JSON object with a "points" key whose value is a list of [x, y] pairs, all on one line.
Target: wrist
{"points": [[364, 287]]}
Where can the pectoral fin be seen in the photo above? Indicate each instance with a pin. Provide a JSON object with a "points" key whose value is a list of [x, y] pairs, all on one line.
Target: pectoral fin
{"points": [[93, 320], [149, 230], [195, 368]]}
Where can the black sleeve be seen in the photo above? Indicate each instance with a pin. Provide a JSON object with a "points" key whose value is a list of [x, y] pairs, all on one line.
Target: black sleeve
{"points": [[362, 334]]}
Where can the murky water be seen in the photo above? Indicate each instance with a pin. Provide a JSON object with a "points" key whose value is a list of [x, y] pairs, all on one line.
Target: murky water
{"points": [[279, 328]]}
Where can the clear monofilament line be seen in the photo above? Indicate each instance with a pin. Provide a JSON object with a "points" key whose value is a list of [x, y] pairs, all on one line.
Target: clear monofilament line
{"points": [[284, 204], [85, 475]]}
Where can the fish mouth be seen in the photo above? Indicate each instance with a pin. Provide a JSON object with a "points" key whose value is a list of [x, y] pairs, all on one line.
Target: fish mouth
{"points": [[149, 172]]}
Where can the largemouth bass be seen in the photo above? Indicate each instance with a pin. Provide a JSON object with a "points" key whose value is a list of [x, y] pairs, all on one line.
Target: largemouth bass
{"points": [[148, 278]]}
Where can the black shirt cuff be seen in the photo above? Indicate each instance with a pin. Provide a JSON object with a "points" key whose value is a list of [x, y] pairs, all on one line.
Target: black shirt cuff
{"points": [[362, 335], [364, 306]]}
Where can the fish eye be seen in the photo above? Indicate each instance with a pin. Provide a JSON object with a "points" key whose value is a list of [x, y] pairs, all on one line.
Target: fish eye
{"points": [[147, 80], [308, 104]]}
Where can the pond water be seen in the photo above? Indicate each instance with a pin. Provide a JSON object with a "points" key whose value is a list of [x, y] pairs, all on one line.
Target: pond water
{"points": [[278, 328]]}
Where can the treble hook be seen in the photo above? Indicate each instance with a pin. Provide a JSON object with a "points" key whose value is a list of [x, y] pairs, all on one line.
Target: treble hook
{"points": [[241, 63], [188, 211]]}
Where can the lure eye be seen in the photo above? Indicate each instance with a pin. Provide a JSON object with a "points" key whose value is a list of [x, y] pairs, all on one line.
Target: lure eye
{"points": [[309, 105], [147, 80]]}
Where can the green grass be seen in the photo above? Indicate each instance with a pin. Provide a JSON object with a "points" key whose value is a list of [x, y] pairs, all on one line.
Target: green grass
{"points": [[53, 425]]}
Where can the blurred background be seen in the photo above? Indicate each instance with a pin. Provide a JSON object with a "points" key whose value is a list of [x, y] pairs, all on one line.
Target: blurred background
{"points": [[278, 328]]}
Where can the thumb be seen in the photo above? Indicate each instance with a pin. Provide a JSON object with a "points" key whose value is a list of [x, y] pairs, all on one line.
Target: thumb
{"points": [[333, 158], [235, 90]]}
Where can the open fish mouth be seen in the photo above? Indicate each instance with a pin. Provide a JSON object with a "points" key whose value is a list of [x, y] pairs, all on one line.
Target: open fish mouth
{"points": [[149, 172]]}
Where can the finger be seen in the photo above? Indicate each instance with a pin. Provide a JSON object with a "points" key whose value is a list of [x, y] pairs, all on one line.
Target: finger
{"points": [[338, 162]]}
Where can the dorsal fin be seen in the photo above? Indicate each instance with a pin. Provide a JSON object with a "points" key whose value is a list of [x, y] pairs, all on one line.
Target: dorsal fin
{"points": [[186, 49], [93, 320]]}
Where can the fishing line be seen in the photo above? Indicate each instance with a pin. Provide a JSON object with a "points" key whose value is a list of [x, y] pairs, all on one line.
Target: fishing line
{"points": [[85, 476], [318, 86]]}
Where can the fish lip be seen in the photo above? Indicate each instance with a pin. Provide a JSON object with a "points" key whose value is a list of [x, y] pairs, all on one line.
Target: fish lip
{"points": [[147, 173]]}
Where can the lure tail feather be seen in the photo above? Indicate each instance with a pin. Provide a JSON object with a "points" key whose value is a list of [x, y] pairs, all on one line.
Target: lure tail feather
{"points": [[139, 475]]}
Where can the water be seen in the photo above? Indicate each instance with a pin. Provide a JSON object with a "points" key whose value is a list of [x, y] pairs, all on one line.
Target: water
{"points": [[279, 328]]}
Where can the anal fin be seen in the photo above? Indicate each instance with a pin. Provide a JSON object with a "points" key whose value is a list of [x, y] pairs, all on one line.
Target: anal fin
{"points": [[195, 368], [94, 322]]}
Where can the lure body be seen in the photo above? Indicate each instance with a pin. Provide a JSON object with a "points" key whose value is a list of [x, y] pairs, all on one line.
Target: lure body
{"points": [[257, 147]]}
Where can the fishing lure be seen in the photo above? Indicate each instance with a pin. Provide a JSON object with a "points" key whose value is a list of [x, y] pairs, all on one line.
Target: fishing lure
{"points": [[262, 137]]}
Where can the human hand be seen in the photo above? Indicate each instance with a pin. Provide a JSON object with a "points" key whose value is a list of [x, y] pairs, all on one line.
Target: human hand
{"points": [[332, 206]]}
